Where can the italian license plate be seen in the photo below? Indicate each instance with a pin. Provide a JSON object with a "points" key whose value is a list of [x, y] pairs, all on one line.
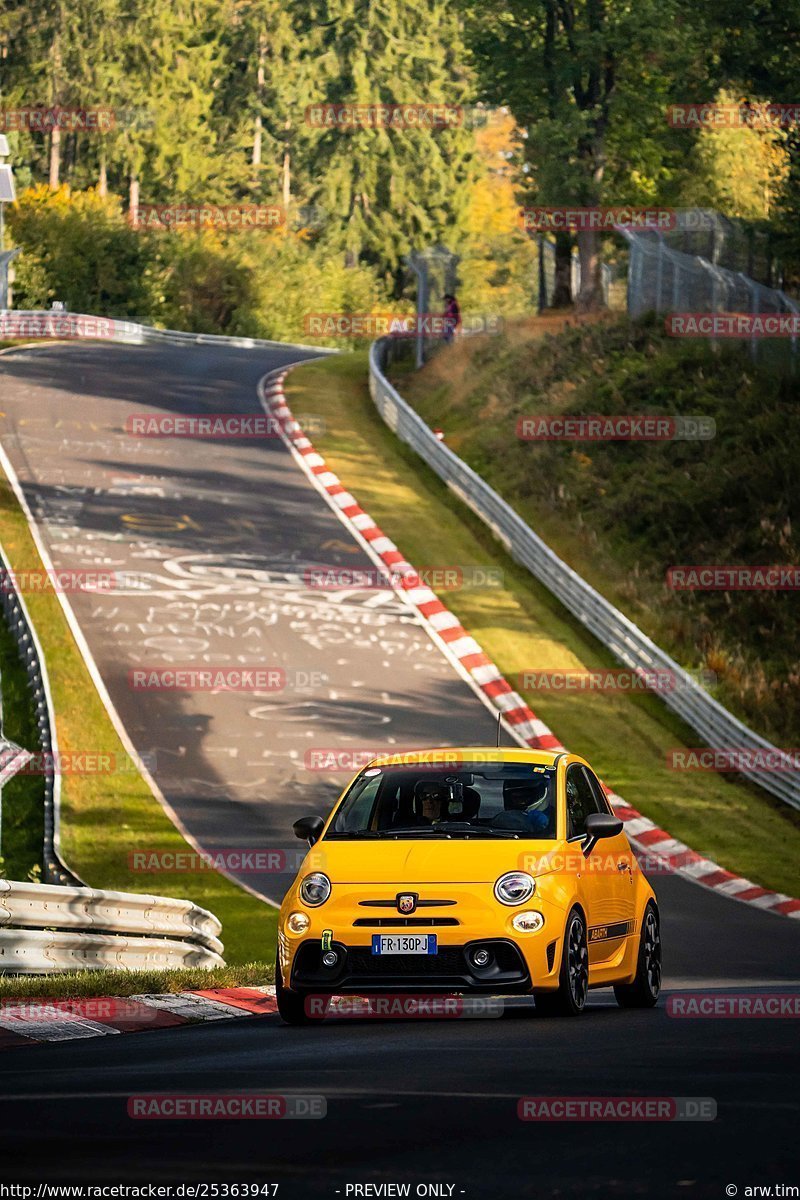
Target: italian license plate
{"points": [[404, 943]]}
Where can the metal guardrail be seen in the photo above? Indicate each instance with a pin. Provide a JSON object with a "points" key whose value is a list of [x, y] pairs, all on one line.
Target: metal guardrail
{"points": [[24, 324], [42, 952], [630, 646], [39, 906], [54, 870], [63, 925], [50, 929]]}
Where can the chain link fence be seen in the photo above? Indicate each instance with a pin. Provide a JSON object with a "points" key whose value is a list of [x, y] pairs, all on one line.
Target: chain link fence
{"points": [[663, 279], [436, 273]]}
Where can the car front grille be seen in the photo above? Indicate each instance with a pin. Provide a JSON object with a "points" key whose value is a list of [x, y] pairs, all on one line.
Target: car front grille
{"points": [[417, 922], [449, 961]]}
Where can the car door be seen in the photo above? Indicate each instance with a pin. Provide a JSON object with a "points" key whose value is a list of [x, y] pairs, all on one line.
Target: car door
{"points": [[616, 862], [606, 882]]}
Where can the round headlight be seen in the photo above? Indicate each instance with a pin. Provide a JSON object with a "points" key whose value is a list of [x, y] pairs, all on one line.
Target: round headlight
{"points": [[298, 922], [527, 922], [315, 889], [515, 887]]}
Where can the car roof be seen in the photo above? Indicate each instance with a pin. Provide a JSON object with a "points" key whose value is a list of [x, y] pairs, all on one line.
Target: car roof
{"points": [[455, 754]]}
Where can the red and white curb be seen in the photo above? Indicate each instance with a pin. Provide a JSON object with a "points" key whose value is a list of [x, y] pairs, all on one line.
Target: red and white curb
{"points": [[45, 1019], [662, 851]]}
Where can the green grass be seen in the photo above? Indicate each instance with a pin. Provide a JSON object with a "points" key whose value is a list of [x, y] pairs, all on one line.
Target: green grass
{"points": [[522, 627], [622, 513], [79, 984], [106, 817], [22, 800]]}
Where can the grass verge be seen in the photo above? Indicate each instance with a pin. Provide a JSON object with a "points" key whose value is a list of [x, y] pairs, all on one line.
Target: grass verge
{"points": [[81, 984], [522, 627], [22, 802], [106, 817], [623, 513]]}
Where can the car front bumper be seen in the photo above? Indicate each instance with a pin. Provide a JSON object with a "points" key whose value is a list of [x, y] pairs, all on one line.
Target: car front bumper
{"points": [[360, 971]]}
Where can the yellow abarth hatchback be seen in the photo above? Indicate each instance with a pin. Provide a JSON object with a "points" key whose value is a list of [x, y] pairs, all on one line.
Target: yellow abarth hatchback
{"points": [[468, 871]]}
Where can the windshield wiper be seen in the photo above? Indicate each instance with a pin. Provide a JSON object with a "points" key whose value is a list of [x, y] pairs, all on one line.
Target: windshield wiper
{"points": [[354, 833], [448, 828]]}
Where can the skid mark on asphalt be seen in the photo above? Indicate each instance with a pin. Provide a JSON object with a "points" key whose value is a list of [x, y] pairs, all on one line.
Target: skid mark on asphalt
{"points": [[211, 544]]}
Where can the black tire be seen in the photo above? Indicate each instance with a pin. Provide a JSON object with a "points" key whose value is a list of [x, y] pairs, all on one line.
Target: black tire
{"points": [[573, 977], [292, 1005], [644, 991]]}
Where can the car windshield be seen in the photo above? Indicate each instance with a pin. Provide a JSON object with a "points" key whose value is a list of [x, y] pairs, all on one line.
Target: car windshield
{"points": [[430, 800]]}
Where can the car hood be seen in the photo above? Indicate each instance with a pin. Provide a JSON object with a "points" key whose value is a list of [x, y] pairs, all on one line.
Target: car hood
{"points": [[452, 860]]}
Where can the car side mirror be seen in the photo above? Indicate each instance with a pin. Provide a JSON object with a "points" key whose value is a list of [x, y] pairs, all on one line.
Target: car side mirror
{"points": [[600, 825], [309, 829]]}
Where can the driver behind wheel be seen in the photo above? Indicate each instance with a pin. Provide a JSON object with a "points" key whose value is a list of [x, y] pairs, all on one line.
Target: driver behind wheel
{"points": [[531, 799], [430, 801]]}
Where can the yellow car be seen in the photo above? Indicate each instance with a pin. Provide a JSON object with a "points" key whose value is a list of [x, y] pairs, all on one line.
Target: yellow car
{"points": [[468, 871]]}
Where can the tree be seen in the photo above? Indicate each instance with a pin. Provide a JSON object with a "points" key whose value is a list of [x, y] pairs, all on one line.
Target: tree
{"points": [[741, 169], [391, 189], [588, 80], [271, 79]]}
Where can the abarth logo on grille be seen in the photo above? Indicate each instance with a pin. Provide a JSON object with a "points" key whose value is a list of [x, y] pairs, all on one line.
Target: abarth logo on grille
{"points": [[407, 902]]}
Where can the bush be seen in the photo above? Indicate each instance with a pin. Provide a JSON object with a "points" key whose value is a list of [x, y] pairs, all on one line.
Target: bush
{"points": [[80, 249]]}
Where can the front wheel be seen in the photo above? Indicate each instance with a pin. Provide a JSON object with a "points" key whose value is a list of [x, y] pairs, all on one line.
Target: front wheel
{"points": [[292, 1006], [643, 992], [573, 978]]}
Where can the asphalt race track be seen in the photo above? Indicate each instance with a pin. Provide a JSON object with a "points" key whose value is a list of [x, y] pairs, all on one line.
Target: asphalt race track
{"points": [[214, 531], [209, 543], [417, 1101]]}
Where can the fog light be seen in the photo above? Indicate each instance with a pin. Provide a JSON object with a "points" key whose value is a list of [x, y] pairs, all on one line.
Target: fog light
{"points": [[528, 922], [481, 957], [298, 922], [330, 958]]}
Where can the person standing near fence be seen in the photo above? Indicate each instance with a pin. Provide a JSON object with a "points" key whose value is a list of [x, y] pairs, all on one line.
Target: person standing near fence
{"points": [[452, 317]]}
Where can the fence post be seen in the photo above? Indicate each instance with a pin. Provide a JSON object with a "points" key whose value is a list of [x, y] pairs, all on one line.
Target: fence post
{"points": [[752, 288], [793, 309], [659, 270], [715, 278], [677, 275], [420, 269]]}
